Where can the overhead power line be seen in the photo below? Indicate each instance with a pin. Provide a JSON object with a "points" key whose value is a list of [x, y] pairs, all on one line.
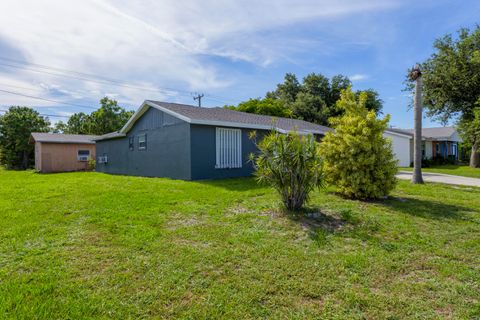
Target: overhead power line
{"points": [[60, 72], [43, 114], [49, 100]]}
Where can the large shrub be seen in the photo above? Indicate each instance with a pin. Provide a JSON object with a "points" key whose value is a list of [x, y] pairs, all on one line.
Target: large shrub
{"points": [[358, 159], [16, 125], [291, 164]]}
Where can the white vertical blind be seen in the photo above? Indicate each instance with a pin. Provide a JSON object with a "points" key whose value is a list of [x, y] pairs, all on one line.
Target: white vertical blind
{"points": [[228, 148]]}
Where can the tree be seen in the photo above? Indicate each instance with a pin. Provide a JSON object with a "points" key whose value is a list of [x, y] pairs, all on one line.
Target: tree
{"points": [[109, 117], [286, 91], [373, 101], [59, 127], [338, 84], [267, 106], [16, 125], [78, 123], [470, 130], [451, 78], [357, 158], [416, 75], [314, 99], [310, 108], [291, 164]]}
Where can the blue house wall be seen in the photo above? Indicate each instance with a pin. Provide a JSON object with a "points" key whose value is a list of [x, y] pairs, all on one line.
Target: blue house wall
{"points": [[175, 149], [167, 152], [203, 154]]}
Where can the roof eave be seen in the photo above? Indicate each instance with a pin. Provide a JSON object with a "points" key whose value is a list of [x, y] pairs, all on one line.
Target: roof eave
{"points": [[120, 135]]}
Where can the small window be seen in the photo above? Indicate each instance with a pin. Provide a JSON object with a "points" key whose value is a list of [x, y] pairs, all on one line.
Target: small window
{"points": [[131, 141], [83, 155], [142, 142], [228, 148]]}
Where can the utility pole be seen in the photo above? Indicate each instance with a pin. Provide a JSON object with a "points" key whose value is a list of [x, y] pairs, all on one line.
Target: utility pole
{"points": [[199, 98]]}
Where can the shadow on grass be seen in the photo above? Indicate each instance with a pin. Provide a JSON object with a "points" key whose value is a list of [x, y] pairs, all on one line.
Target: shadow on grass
{"points": [[320, 224], [425, 208]]}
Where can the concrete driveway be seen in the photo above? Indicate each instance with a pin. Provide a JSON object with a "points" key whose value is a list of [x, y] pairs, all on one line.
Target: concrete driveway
{"points": [[442, 178]]}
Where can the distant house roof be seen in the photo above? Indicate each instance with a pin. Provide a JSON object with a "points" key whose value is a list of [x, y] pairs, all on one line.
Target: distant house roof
{"points": [[400, 132], [221, 117], [442, 133], [62, 138]]}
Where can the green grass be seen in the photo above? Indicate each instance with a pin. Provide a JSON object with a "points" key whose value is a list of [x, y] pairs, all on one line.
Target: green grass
{"points": [[90, 245], [458, 170]]}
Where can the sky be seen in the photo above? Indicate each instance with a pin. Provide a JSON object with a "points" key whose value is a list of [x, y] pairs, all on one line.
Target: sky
{"points": [[62, 57]]}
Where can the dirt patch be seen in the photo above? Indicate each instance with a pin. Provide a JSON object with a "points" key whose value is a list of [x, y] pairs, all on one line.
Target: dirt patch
{"points": [[238, 209], [316, 220], [178, 221]]}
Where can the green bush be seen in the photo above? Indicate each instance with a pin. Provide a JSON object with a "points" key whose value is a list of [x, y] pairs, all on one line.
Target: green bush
{"points": [[291, 164], [358, 159], [92, 164]]}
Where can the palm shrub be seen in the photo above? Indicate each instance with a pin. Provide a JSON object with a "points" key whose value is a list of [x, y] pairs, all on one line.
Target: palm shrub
{"points": [[291, 164], [358, 159]]}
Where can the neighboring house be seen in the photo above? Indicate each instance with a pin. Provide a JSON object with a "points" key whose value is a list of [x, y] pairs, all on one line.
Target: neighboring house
{"points": [[440, 142], [436, 142], [56, 152], [190, 143], [400, 145]]}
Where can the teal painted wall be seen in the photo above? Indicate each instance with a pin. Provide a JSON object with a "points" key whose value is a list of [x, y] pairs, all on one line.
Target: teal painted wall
{"points": [[203, 154], [167, 153]]}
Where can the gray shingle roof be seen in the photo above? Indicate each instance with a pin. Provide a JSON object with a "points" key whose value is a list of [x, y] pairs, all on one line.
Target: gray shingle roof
{"points": [[401, 131], [436, 133], [236, 117], [63, 138]]}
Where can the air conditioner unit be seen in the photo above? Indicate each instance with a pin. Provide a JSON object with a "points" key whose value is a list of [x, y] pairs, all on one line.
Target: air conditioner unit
{"points": [[83, 158], [102, 159]]}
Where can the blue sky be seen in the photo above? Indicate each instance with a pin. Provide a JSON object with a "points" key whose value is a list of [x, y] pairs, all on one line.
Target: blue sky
{"points": [[231, 51]]}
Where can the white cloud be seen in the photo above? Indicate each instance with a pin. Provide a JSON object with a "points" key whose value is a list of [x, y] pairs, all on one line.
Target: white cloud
{"points": [[358, 77], [155, 43]]}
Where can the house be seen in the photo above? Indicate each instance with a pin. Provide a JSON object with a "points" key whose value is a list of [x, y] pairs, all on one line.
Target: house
{"points": [[56, 152], [185, 142], [400, 145], [439, 142]]}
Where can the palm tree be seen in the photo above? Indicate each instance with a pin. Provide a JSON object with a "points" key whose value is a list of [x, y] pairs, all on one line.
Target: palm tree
{"points": [[416, 75]]}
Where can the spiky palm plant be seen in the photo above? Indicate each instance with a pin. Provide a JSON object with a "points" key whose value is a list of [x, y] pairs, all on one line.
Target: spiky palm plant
{"points": [[291, 164]]}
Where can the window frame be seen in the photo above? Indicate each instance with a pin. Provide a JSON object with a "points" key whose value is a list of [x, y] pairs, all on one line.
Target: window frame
{"points": [[144, 146], [131, 143]]}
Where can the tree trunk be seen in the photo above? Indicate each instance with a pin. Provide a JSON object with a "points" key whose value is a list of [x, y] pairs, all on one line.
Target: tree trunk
{"points": [[475, 156], [417, 137]]}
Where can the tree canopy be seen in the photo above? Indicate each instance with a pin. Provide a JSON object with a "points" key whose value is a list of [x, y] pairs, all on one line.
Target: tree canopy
{"points": [[16, 125], [451, 79], [267, 106], [109, 117], [314, 99]]}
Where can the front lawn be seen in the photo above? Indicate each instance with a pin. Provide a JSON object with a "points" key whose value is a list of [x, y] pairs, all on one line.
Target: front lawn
{"points": [[458, 170], [88, 245]]}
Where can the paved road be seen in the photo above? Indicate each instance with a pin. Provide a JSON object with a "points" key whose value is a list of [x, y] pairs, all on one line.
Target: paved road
{"points": [[442, 178]]}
